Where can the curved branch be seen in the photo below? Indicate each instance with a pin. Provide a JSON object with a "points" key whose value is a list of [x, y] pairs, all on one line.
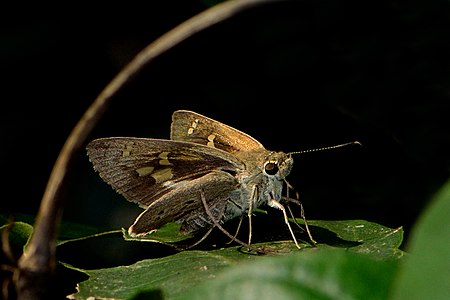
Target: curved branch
{"points": [[38, 261]]}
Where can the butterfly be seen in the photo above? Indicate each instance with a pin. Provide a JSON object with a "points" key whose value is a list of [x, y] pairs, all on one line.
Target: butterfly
{"points": [[206, 174]]}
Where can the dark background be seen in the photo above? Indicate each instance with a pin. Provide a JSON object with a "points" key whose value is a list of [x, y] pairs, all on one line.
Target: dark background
{"points": [[295, 75]]}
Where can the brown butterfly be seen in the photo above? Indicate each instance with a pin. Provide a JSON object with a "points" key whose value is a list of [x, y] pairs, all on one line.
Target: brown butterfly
{"points": [[206, 174]]}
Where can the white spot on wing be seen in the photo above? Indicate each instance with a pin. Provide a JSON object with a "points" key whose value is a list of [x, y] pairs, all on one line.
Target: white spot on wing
{"points": [[145, 170], [211, 138], [126, 151], [164, 160], [162, 175], [193, 126]]}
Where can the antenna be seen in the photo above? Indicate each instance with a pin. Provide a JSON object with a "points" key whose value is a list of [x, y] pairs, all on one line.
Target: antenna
{"points": [[326, 148]]}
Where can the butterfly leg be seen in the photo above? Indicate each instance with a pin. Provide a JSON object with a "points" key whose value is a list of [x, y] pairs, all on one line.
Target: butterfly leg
{"points": [[250, 229], [302, 215], [216, 223], [250, 212], [274, 203], [199, 241], [302, 211], [296, 201], [237, 230]]}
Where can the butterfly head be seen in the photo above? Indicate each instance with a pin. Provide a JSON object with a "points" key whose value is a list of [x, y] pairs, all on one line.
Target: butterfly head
{"points": [[278, 165]]}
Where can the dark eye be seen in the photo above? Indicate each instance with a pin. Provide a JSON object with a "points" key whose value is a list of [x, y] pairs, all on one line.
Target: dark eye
{"points": [[271, 168]]}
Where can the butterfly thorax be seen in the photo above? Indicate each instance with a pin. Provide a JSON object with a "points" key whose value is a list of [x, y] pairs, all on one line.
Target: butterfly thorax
{"points": [[263, 178]]}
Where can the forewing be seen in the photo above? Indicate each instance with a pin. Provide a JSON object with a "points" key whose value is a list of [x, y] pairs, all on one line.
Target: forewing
{"points": [[185, 201], [192, 127], [144, 170]]}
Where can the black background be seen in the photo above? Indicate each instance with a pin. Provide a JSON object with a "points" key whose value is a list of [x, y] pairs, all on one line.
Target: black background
{"points": [[295, 75]]}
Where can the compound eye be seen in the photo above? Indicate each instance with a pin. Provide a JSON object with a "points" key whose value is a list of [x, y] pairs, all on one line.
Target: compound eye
{"points": [[271, 168]]}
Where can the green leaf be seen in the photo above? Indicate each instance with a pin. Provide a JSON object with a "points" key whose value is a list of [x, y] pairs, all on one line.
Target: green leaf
{"points": [[357, 235], [67, 230], [373, 239], [327, 274], [167, 234], [19, 234], [174, 275], [225, 274], [426, 273]]}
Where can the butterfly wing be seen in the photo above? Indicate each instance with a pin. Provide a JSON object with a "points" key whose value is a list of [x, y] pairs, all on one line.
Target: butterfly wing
{"points": [[189, 126], [184, 204], [144, 170], [167, 177]]}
